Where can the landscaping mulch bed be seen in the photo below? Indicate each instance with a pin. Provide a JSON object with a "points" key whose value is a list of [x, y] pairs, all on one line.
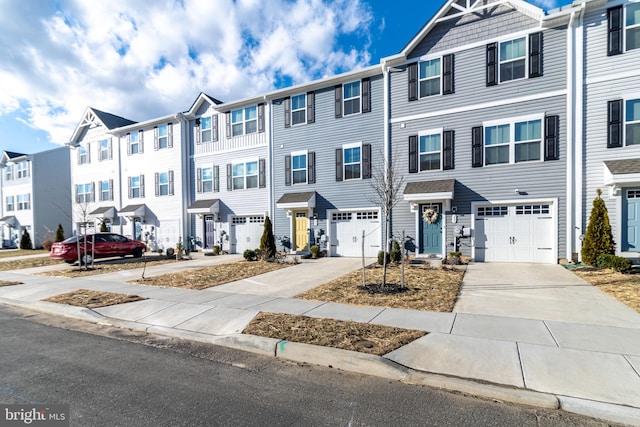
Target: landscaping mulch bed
{"points": [[19, 264], [355, 336], [93, 299], [623, 287], [108, 266], [427, 288], [21, 252], [216, 275]]}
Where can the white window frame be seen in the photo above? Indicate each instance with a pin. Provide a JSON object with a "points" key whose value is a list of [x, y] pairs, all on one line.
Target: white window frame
{"points": [[83, 156], [106, 196], [83, 193], [22, 169], [8, 172], [302, 109], [24, 202], [511, 122], [135, 143], [163, 184], [294, 169], [425, 79], [204, 130], [344, 160], [346, 99], [10, 203], [507, 61], [245, 176], [634, 27], [134, 188], [425, 133], [240, 126], [630, 98], [207, 181], [103, 150], [163, 140]]}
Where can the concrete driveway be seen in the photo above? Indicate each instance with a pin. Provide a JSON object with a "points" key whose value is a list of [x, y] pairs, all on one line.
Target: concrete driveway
{"points": [[539, 291]]}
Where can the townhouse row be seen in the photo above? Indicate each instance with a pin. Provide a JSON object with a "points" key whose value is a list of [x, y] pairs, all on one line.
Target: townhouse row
{"points": [[501, 121]]}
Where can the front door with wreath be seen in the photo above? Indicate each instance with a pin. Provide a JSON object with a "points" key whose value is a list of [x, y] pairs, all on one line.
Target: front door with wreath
{"points": [[430, 228]]}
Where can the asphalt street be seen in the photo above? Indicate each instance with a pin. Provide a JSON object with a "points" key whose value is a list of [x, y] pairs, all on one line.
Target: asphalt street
{"points": [[114, 377]]}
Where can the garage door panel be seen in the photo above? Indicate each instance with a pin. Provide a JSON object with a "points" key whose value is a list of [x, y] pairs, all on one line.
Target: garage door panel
{"points": [[246, 232], [346, 233]]}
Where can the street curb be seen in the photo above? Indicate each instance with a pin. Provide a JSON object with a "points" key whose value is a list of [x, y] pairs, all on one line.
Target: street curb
{"points": [[80, 313], [603, 411]]}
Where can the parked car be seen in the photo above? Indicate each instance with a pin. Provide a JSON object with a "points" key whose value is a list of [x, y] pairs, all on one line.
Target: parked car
{"points": [[104, 245]]}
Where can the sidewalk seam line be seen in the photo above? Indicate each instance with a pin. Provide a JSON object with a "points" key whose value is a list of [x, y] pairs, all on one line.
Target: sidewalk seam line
{"points": [[544, 322], [631, 364], [455, 319], [524, 380]]}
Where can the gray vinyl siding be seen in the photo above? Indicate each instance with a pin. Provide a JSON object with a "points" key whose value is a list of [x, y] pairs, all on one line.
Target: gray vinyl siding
{"points": [[323, 137], [606, 80]]}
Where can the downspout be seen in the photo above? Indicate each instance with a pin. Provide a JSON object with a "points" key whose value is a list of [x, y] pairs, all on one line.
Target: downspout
{"points": [[269, 176], [387, 145], [185, 159], [120, 192], [571, 142], [579, 132]]}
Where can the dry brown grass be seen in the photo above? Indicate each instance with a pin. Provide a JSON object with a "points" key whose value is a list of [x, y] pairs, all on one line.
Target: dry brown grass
{"points": [[21, 252], [110, 266], [9, 283], [19, 264], [432, 289], [93, 299], [362, 337], [216, 275], [623, 287]]}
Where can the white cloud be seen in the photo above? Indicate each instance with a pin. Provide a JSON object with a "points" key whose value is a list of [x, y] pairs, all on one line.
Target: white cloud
{"points": [[546, 4], [141, 59]]}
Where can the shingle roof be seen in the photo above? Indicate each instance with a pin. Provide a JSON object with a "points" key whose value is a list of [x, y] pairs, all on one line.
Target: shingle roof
{"points": [[111, 121], [296, 197], [425, 187], [622, 167], [102, 210], [203, 204], [13, 155]]}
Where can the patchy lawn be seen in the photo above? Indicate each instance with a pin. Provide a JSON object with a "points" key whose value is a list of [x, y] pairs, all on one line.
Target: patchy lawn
{"points": [[103, 267], [9, 283], [623, 287], [431, 289], [21, 252], [93, 299], [19, 264], [362, 337], [216, 275]]}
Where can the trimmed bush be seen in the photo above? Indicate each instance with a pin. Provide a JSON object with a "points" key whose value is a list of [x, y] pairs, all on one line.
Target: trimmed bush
{"points": [[25, 241], [395, 254], [250, 255], [598, 239], [315, 251], [59, 233], [267, 241], [616, 263], [103, 227], [216, 250], [381, 256]]}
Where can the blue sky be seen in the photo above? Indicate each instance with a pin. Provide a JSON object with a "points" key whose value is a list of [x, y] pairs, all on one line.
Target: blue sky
{"points": [[142, 59]]}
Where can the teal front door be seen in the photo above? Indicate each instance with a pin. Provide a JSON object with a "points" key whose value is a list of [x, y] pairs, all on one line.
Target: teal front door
{"points": [[631, 221], [430, 228]]}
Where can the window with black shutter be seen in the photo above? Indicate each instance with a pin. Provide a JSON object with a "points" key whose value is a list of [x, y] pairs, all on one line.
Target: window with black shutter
{"points": [[477, 147], [614, 120]]}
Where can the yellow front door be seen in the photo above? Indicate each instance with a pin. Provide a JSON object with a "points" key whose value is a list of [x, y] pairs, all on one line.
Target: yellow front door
{"points": [[302, 231]]}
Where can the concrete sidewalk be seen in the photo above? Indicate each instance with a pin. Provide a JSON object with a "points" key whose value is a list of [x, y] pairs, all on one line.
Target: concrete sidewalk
{"points": [[571, 347]]}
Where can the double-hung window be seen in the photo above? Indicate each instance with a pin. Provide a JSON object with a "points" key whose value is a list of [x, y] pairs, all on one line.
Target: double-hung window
{"points": [[83, 155], [352, 162], [299, 109], [8, 172], [299, 167], [103, 153], [205, 129], [430, 73], [430, 151], [135, 187], [513, 59], [207, 180], [515, 141], [10, 203], [83, 193], [163, 184], [24, 202], [632, 122], [245, 175], [632, 26], [106, 190], [22, 169], [163, 136], [351, 98], [244, 121], [134, 143]]}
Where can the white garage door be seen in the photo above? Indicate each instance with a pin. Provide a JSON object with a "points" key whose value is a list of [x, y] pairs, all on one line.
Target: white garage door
{"points": [[515, 233], [246, 232], [346, 233]]}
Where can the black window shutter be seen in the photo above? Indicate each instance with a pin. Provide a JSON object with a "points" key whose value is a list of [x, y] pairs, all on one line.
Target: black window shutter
{"points": [[157, 175], [111, 189], [477, 147], [413, 81], [199, 180], [110, 148], [216, 179], [141, 141], [311, 167], [614, 120], [100, 190], [492, 64], [338, 101], [141, 185], [447, 74], [170, 135], [130, 189], [229, 178], [214, 128], [262, 173], [614, 34], [260, 117], [413, 153], [366, 95], [89, 153], [155, 137], [535, 55], [311, 107], [287, 170], [227, 116], [197, 131], [448, 138], [287, 112], [128, 144], [338, 164], [171, 183], [551, 137], [366, 161], [93, 191]]}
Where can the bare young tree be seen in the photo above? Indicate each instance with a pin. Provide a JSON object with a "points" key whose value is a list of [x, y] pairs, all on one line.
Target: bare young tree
{"points": [[386, 183]]}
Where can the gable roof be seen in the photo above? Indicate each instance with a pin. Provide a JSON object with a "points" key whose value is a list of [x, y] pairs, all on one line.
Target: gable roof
{"points": [[203, 97], [453, 9], [94, 117], [8, 156]]}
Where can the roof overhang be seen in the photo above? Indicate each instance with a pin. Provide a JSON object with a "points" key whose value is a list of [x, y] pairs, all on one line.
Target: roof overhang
{"points": [[133, 211], [202, 98], [204, 207], [429, 191], [10, 221], [292, 201], [104, 212], [618, 173]]}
